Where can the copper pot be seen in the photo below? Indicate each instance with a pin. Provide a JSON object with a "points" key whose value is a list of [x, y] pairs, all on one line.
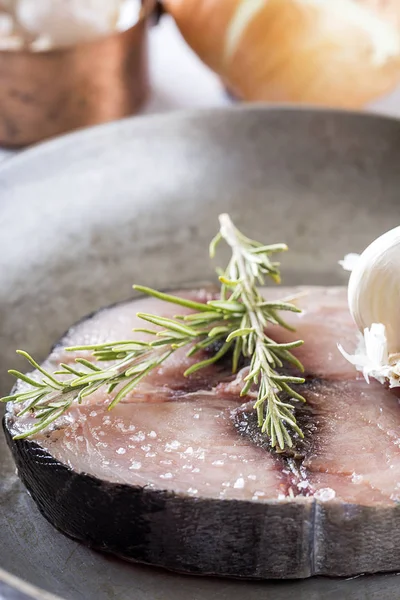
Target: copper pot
{"points": [[43, 94]]}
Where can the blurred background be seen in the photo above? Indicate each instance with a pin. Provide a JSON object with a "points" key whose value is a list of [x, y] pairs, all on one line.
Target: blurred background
{"points": [[66, 64]]}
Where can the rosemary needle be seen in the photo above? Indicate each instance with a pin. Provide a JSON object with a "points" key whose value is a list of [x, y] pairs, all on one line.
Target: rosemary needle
{"points": [[238, 320]]}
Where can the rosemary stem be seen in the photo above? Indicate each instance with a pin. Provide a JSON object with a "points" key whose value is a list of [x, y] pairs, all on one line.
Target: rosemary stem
{"points": [[270, 417], [238, 318]]}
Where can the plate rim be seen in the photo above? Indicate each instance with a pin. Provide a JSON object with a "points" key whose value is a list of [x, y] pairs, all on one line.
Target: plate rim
{"points": [[182, 115], [23, 588]]}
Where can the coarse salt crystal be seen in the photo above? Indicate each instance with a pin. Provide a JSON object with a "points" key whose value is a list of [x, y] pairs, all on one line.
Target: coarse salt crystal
{"points": [[239, 483], [169, 446], [303, 485], [75, 21], [325, 494], [139, 437], [135, 465]]}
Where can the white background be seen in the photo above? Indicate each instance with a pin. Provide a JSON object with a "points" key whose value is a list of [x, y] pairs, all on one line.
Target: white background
{"points": [[180, 80]]}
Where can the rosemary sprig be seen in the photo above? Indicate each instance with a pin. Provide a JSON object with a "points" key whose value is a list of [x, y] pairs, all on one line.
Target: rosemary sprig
{"points": [[248, 267], [238, 320]]}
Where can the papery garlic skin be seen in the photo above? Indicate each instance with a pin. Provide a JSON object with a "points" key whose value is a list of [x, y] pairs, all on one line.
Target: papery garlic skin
{"points": [[374, 288], [349, 262], [371, 357]]}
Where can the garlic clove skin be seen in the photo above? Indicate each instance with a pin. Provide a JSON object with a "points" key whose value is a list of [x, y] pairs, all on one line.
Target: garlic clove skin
{"points": [[374, 288], [348, 263], [371, 357]]}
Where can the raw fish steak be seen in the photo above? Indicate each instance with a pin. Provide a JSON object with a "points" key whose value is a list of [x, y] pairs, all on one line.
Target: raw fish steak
{"points": [[179, 475]]}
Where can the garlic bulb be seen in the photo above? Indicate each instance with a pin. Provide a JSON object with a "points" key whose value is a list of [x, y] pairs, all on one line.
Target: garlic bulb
{"points": [[342, 53], [373, 296], [374, 288]]}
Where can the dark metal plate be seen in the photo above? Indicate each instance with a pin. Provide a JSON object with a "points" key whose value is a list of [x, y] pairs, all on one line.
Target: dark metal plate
{"points": [[84, 216]]}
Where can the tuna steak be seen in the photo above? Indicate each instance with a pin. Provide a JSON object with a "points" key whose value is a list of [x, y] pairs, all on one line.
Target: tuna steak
{"points": [[178, 474]]}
